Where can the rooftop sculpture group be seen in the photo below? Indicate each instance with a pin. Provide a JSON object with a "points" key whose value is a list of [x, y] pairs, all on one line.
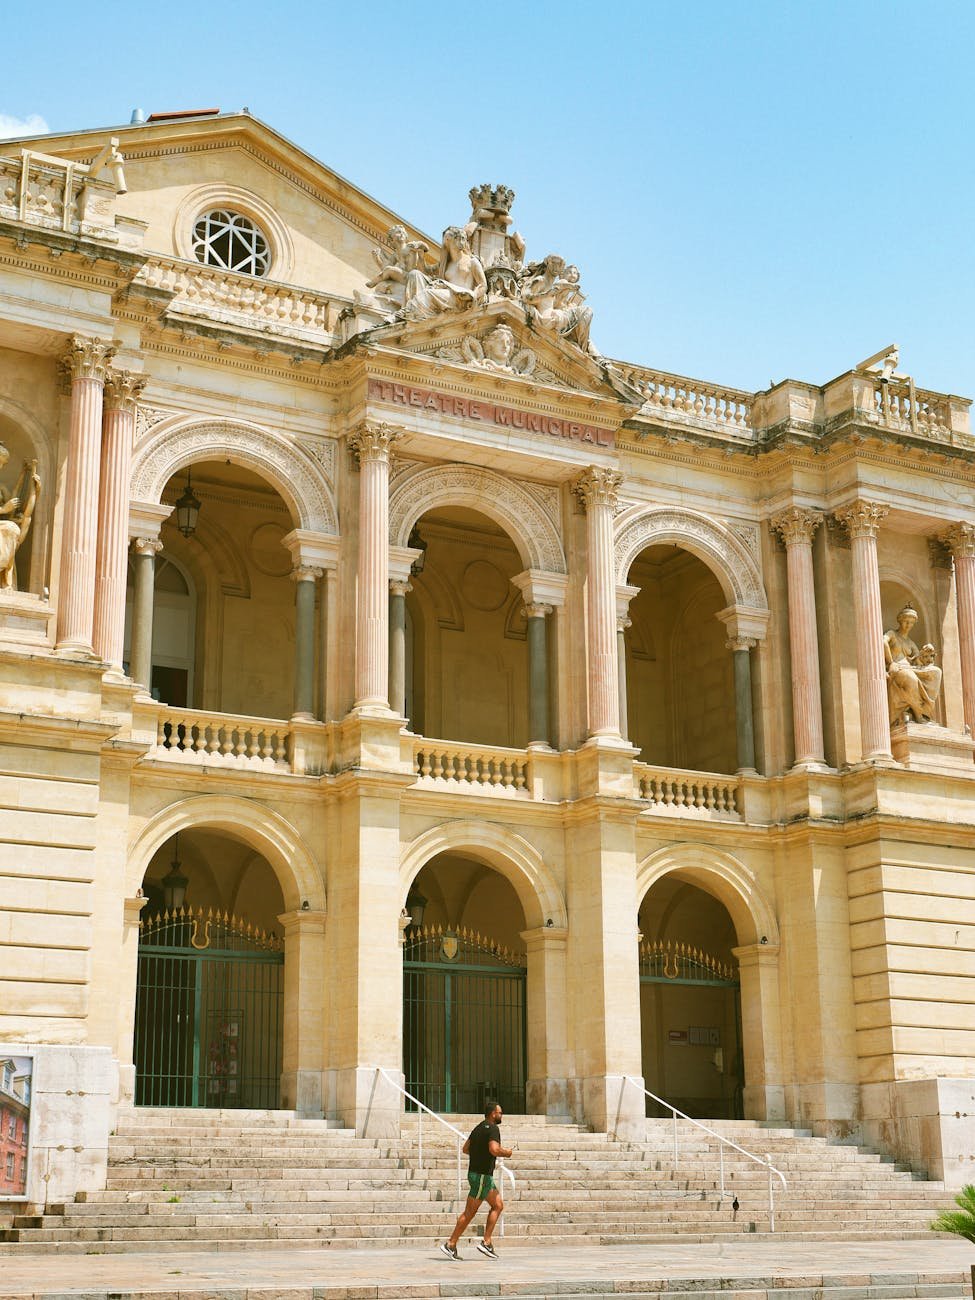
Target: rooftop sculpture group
{"points": [[481, 261]]}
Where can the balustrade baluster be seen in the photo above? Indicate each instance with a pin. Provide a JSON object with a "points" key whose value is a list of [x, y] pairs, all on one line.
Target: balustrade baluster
{"points": [[280, 747]]}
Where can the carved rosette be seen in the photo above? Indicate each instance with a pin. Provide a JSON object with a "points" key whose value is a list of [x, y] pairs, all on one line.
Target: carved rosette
{"points": [[796, 525], [862, 518], [87, 358], [960, 540], [123, 390], [373, 442], [146, 545], [598, 487]]}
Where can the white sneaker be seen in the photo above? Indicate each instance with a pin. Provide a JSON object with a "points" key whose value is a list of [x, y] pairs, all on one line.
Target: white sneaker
{"points": [[450, 1251], [486, 1248]]}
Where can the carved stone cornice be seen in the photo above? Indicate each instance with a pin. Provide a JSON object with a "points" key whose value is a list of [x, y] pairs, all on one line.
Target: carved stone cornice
{"points": [[370, 441], [597, 487], [862, 518], [123, 390], [88, 358], [796, 525], [960, 540], [306, 573], [146, 545]]}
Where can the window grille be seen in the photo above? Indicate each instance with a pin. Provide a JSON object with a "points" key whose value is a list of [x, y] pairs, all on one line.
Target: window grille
{"points": [[231, 241]]}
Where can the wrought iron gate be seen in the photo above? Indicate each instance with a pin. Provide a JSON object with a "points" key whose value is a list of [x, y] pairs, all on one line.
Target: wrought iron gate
{"points": [[463, 1021], [208, 1012]]}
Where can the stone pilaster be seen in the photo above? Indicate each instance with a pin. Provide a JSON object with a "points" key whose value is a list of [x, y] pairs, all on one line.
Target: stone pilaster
{"points": [[960, 539], [86, 362], [303, 1056], [304, 577], [128, 975], [399, 588], [862, 520], [797, 526], [143, 595], [371, 444], [597, 490], [121, 395]]}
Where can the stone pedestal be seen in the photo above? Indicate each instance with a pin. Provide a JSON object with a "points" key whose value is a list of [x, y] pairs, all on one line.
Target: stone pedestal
{"points": [[24, 619], [926, 1123], [926, 747]]}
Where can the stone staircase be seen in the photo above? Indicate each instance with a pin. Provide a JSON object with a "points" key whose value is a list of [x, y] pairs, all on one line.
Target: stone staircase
{"points": [[210, 1181]]}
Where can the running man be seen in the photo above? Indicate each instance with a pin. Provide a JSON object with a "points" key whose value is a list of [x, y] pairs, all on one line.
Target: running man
{"points": [[483, 1146]]}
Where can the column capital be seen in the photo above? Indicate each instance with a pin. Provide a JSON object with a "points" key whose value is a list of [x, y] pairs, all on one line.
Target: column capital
{"points": [[536, 609], [796, 525], [146, 545], [123, 389], [88, 358], [370, 441], [305, 573], [740, 643], [623, 621], [400, 586], [596, 486], [960, 540], [862, 518]]}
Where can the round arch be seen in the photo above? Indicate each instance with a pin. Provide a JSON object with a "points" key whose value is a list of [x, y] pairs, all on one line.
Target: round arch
{"points": [[513, 857], [510, 505], [720, 874], [266, 831], [180, 441], [725, 554]]}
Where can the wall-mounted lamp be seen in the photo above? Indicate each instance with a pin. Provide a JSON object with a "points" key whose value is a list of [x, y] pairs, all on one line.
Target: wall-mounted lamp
{"points": [[763, 939], [416, 543], [416, 905], [549, 923]]}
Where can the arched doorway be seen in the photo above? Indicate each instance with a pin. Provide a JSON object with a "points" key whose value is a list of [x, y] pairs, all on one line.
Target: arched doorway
{"points": [[464, 988], [690, 1007], [210, 984]]}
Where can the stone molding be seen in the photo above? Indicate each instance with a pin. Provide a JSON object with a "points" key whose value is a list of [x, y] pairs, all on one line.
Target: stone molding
{"points": [[502, 499], [297, 478], [725, 554], [796, 525], [862, 518]]}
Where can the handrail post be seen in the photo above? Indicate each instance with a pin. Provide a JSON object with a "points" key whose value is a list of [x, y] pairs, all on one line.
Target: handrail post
{"points": [[676, 1162], [721, 1166], [419, 1139], [771, 1194]]}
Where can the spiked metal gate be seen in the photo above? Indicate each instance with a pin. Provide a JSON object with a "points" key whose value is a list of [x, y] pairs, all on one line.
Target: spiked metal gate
{"points": [[208, 1012], [463, 1021]]}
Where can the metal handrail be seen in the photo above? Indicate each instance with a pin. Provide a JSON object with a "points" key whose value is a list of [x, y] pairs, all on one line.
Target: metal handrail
{"points": [[766, 1163], [461, 1139]]}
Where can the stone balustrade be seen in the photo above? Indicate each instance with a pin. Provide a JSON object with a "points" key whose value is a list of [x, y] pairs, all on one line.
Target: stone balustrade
{"points": [[692, 400], [242, 300], [59, 195], [696, 794], [902, 406], [218, 740], [476, 768]]}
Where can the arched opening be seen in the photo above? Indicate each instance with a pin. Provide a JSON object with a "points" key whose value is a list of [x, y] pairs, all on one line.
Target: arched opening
{"points": [[690, 1010], [464, 988], [210, 986], [679, 674], [466, 651], [223, 635]]}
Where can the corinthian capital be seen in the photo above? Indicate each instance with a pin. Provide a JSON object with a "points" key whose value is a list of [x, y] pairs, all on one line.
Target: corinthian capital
{"points": [[960, 540], [87, 358], [597, 487], [123, 390], [146, 545], [373, 441], [862, 518], [796, 525]]}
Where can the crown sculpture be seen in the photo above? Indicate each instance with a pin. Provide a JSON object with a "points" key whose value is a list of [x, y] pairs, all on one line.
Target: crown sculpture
{"points": [[482, 261]]}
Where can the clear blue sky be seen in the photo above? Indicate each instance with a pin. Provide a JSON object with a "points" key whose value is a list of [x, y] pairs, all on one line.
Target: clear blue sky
{"points": [[752, 190]]}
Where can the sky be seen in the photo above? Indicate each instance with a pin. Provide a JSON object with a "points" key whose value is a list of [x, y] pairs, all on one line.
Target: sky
{"points": [[752, 190]]}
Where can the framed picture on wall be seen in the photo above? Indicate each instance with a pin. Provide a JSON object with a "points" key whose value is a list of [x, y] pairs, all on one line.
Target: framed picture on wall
{"points": [[16, 1078]]}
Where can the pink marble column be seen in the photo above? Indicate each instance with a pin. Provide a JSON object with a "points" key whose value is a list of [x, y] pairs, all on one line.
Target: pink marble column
{"points": [[122, 391], [961, 541], [797, 526], [862, 520], [597, 489], [371, 443], [86, 362]]}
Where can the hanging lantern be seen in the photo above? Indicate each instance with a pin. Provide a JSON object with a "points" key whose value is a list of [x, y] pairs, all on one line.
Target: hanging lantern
{"points": [[187, 509], [174, 882]]}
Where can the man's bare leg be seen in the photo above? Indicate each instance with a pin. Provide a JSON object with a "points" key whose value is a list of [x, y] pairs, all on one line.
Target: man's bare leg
{"points": [[495, 1210], [464, 1218]]}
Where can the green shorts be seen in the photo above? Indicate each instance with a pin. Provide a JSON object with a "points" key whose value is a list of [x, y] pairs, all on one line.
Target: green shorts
{"points": [[480, 1185]]}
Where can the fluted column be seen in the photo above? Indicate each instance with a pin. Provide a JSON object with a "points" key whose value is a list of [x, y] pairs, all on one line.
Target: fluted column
{"points": [[741, 649], [304, 577], [371, 444], [122, 391], [143, 594], [597, 490], [862, 520], [538, 731], [797, 527], [961, 541], [86, 362], [398, 589]]}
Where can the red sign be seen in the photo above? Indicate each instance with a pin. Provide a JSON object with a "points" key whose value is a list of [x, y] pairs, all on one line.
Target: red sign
{"points": [[505, 417]]}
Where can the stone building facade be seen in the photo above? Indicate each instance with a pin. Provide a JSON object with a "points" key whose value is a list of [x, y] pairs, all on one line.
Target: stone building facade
{"points": [[370, 644]]}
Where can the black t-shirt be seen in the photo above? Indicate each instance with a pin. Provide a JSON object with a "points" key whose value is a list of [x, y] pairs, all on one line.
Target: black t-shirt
{"points": [[482, 1162]]}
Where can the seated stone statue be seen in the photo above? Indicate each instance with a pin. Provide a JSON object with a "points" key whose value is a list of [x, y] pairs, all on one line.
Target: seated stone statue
{"points": [[913, 678], [15, 516], [552, 289], [460, 283]]}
